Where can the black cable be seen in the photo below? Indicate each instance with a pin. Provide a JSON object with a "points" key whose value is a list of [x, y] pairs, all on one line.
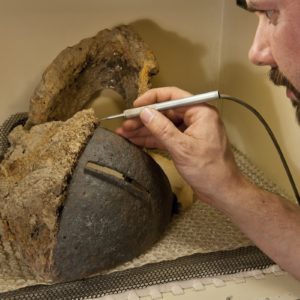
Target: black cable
{"points": [[273, 138]]}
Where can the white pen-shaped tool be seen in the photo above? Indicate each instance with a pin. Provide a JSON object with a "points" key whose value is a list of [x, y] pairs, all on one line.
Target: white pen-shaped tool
{"points": [[196, 99]]}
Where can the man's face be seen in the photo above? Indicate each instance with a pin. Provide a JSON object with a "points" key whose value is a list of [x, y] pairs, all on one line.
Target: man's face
{"points": [[277, 42]]}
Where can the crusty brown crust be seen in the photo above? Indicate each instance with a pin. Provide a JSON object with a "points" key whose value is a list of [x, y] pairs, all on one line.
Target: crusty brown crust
{"points": [[34, 176], [115, 59]]}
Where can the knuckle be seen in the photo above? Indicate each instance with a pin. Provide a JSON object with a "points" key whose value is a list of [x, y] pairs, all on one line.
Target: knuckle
{"points": [[209, 114], [203, 114], [210, 111]]}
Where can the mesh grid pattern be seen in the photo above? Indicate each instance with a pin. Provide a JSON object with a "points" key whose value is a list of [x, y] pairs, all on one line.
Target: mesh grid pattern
{"points": [[194, 266], [6, 127], [203, 243]]}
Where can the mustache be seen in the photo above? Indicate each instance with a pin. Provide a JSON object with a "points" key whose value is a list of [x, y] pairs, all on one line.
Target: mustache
{"points": [[280, 80]]}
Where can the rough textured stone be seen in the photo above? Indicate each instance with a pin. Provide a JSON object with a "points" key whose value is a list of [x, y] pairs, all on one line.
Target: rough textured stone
{"points": [[115, 59], [34, 176]]}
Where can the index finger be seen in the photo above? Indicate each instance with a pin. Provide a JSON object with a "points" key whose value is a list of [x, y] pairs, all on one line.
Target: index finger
{"points": [[136, 123], [160, 95]]}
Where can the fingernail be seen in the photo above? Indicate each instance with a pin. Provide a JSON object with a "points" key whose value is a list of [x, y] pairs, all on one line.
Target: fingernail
{"points": [[146, 115]]}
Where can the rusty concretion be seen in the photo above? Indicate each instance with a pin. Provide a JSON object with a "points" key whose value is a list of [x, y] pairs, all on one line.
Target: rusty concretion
{"points": [[115, 59]]}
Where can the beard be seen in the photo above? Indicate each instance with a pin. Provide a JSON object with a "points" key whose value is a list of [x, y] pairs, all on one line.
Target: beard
{"points": [[279, 79]]}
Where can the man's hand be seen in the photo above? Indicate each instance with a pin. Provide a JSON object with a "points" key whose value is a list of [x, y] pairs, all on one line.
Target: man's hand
{"points": [[195, 138]]}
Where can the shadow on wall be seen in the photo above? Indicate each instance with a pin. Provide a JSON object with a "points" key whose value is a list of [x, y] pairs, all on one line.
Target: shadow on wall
{"points": [[245, 131], [179, 59]]}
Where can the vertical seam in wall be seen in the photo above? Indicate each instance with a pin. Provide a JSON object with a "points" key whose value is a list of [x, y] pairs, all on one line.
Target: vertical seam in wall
{"points": [[221, 39]]}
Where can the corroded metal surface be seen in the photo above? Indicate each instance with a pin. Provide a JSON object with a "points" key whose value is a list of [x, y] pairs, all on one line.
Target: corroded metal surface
{"points": [[112, 213]]}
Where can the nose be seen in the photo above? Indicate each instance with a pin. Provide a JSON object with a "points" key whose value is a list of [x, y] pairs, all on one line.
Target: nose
{"points": [[260, 52]]}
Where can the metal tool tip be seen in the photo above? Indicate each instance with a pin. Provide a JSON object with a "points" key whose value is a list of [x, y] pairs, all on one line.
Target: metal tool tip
{"points": [[112, 117]]}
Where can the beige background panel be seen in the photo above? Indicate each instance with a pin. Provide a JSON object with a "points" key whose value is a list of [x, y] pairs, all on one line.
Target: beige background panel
{"points": [[186, 39]]}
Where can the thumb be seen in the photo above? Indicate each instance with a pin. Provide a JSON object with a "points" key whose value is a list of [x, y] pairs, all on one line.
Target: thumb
{"points": [[161, 128]]}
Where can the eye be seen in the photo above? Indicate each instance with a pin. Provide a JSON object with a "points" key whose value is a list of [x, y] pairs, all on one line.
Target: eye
{"points": [[269, 13], [272, 16]]}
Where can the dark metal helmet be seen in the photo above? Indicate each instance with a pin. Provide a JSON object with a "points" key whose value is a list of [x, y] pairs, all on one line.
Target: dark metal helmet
{"points": [[119, 202]]}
